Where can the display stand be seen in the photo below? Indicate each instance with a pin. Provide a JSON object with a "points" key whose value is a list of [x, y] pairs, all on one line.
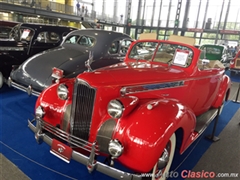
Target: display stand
{"points": [[236, 100], [212, 136]]}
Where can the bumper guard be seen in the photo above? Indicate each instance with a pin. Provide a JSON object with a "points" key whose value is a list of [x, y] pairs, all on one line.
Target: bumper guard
{"points": [[29, 90]]}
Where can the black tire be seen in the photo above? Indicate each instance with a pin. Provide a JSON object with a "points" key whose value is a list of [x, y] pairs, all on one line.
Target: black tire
{"points": [[161, 174]]}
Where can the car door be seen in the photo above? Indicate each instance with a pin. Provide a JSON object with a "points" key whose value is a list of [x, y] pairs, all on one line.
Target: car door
{"points": [[206, 83]]}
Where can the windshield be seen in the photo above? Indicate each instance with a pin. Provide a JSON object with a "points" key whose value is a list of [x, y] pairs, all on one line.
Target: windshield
{"points": [[162, 52], [83, 40], [14, 33], [19, 32], [211, 52]]}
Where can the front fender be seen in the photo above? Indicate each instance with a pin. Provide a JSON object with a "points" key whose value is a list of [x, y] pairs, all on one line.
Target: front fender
{"points": [[224, 88], [145, 132], [53, 106]]}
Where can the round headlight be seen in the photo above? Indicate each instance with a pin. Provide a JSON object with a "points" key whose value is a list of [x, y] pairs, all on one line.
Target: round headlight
{"points": [[115, 148], [62, 91], [39, 113], [115, 109]]}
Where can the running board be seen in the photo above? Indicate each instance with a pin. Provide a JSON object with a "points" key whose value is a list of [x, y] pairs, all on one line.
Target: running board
{"points": [[204, 120]]}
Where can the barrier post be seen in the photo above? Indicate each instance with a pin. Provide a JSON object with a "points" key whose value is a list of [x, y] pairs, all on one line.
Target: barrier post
{"points": [[236, 100], [212, 136]]}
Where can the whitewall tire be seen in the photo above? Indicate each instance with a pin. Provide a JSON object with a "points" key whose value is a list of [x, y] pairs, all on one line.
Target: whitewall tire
{"points": [[1, 80], [158, 173]]}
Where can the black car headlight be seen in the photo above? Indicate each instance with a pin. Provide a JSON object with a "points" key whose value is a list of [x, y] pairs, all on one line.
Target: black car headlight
{"points": [[62, 91], [115, 108], [115, 148]]}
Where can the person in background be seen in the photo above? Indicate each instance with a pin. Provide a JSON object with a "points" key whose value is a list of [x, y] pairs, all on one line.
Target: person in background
{"points": [[48, 8], [78, 8], [121, 19], [86, 11], [232, 51], [83, 10], [237, 48]]}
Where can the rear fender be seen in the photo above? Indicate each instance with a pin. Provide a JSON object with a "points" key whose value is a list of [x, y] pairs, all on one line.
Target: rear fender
{"points": [[145, 132], [224, 88]]}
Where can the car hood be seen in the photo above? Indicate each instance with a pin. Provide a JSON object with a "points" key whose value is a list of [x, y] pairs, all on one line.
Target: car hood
{"points": [[130, 74], [37, 70]]}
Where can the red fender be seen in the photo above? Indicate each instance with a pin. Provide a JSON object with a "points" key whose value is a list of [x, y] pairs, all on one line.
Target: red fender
{"points": [[224, 87], [145, 132]]}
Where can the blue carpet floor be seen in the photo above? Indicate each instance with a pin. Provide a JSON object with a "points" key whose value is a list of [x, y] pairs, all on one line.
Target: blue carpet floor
{"points": [[17, 142]]}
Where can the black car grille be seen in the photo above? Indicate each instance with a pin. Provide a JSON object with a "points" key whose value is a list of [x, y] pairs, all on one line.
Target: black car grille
{"points": [[83, 102]]}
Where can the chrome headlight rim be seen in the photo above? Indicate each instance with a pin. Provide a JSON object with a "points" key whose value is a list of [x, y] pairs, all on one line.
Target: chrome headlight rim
{"points": [[115, 148], [62, 91], [115, 108], [39, 112]]}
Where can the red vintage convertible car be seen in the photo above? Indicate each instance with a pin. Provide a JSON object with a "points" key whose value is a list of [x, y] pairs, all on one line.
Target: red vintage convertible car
{"points": [[133, 112], [235, 65]]}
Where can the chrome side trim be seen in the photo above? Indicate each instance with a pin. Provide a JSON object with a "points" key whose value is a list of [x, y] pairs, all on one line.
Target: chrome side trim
{"points": [[29, 90], [151, 87], [103, 168]]}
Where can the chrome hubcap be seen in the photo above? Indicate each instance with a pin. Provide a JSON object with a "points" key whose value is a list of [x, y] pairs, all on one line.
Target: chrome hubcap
{"points": [[162, 162]]}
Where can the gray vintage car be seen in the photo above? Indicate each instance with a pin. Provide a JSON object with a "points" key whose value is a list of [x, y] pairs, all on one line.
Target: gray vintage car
{"points": [[25, 40], [68, 59]]}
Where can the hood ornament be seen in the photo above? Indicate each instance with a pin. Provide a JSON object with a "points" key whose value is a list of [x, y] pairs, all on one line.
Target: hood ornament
{"points": [[89, 62]]}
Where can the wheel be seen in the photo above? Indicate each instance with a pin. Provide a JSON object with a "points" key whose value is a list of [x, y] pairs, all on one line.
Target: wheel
{"points": [[161, 168], [1, 80]]}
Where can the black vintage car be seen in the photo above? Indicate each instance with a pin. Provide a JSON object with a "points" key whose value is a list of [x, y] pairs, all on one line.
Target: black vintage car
{"points": [[25, 40], [5, 28], [106, 47], [4, 32]]}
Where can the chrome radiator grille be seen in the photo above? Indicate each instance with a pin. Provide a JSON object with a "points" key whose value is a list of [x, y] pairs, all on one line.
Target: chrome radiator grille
{"points": [[238, 63], [83, 102]]}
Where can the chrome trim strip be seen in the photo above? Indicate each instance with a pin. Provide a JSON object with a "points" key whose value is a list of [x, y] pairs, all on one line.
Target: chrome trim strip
{"points": [[22, 88], [140, 88], [103, 168], [11, 48], [151, 87]]}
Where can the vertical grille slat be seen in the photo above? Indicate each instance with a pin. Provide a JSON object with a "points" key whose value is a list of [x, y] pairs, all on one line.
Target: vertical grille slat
{"points": [[84, 97]]}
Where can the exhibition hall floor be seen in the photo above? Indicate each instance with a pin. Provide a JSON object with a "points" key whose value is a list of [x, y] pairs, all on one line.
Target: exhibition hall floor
{"points": [[22, 158]]}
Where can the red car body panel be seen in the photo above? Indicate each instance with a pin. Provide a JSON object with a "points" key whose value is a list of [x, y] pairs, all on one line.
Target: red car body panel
{"points": [[160, 99]]}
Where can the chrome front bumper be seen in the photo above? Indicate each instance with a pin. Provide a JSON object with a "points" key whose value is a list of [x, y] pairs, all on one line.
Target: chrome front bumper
{"points": [[29, 90], [90, 163]]}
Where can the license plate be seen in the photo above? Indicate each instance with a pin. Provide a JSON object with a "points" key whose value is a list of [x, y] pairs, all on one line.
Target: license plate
{"points": [[61, 150]]}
